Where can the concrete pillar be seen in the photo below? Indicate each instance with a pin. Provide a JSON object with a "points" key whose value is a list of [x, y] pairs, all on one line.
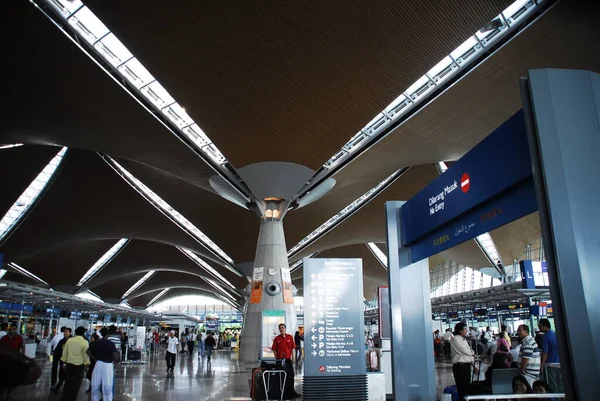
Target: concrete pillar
{"points": [[271, 254]]}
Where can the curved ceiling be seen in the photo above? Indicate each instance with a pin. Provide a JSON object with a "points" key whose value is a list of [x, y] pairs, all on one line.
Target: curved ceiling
{"points": [[273, 82], [293, 82]]}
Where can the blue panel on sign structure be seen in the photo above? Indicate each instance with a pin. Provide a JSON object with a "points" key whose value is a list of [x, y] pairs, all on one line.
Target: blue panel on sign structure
{"points": [[1, 259], [517, 202], [477, 177]]}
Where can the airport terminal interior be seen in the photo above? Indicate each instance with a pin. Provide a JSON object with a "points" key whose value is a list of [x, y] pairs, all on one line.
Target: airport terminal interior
{"points": [[214, 181]]}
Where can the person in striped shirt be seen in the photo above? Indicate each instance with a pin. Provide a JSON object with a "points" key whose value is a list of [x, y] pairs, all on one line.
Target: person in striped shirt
{"points": [[529, 361]]}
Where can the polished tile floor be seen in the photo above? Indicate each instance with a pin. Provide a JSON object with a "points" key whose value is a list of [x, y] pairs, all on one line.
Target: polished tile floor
{"points": [[193, 379]]}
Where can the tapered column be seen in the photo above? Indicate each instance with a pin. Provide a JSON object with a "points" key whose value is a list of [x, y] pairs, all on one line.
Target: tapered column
{"points": [[271, 256]]}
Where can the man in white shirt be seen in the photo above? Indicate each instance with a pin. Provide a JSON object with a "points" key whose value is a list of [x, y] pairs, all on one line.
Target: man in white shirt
{"points": [[191, 340], [3, 328], [201, 343], [172, 347], [55, 340]]}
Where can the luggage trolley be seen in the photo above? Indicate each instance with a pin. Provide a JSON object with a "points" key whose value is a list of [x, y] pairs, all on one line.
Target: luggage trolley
{"points": [[272, 374]]}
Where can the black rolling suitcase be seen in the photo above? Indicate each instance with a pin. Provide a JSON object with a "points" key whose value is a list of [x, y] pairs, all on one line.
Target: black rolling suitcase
{"points": [[274, 390]]}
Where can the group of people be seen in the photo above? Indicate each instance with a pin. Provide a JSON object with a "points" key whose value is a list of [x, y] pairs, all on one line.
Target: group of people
{"points": [[73, 354], [531, 359], [206, 342]]}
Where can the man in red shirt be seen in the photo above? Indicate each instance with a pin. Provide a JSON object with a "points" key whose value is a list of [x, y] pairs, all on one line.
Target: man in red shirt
{"points": [[282, 347], [14, 340]]}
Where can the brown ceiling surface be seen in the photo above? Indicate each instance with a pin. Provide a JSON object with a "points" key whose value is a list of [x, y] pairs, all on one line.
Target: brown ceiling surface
{"points": [[142, 256], [290, 81], [114, 290], [24, 164], [59, 96], [230, 226], [471, 109], [512, 239], [366, 225], [65, 265], [88, 201], [143, 300], [169, 279]]}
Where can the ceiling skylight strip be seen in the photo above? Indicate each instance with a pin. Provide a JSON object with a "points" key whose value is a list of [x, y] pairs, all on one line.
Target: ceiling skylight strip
{"points": [[159, 296], [104, 259], [473, 49], [9, 146], [347, 211], [220, 289], [30, 196], [486, 242], [168, 210], [27, 273], [300, 262], [198, 260], [2, 273], [378, 253], [139, 283], [108, 47], [90, 296]]}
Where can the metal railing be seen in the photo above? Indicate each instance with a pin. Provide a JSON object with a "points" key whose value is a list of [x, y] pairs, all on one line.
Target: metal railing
{"points": [[491, 397]]}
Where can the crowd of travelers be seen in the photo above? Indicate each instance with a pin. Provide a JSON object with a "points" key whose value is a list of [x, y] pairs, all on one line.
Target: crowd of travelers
{"points": [[529, 358]]}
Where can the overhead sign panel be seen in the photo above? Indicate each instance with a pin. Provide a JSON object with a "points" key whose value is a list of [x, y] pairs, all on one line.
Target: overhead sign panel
{"points": [[333, 317], [476, 178]]}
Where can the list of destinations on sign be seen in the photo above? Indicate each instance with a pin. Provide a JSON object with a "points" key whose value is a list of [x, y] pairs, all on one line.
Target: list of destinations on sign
{"points": [[333, 317]]}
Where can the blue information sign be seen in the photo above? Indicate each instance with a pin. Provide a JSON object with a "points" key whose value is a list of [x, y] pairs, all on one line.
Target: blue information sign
{"points": [[478, 193]]}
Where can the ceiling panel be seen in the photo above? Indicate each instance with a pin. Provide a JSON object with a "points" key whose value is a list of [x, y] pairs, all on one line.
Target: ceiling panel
{"points": [[76, 103], [90, 201], [293, 81], [142, 256], [24, 164], [231, 227], [512, 239], [468, 111]]}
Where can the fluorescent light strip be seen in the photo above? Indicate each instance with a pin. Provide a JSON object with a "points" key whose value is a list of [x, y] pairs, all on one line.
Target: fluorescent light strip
{"points": [[299, 263], [378, 253], [156, 298], [124, 304], [104, 259], [167, 209], [139, 283], [205, 266], [448, 67], [351, 208], [218, 287], [89, 27], [486, 242], [90, 296], [14, 145], [441, 166], [27, 273], [31, 194], [2, 273]]}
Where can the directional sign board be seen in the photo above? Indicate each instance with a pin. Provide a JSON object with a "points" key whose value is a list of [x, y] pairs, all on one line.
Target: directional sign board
{"points": [[333, 317], [480, 192]]}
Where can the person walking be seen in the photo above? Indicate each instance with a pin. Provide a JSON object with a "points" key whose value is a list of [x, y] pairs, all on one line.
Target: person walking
{"points": [[58, 351], [104, 354], [210, 343], [93, 338], [202, 343], [298, 338], [462, 359], [172, 345], [3, 330], [191, 342], [76, 359]]}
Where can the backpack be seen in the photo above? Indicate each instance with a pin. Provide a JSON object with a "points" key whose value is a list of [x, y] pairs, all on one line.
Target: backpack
{"points": [[452, 390]]}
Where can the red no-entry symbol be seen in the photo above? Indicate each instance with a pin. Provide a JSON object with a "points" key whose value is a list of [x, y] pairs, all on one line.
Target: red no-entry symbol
{"points": [[465, 183], [321, 369]]}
